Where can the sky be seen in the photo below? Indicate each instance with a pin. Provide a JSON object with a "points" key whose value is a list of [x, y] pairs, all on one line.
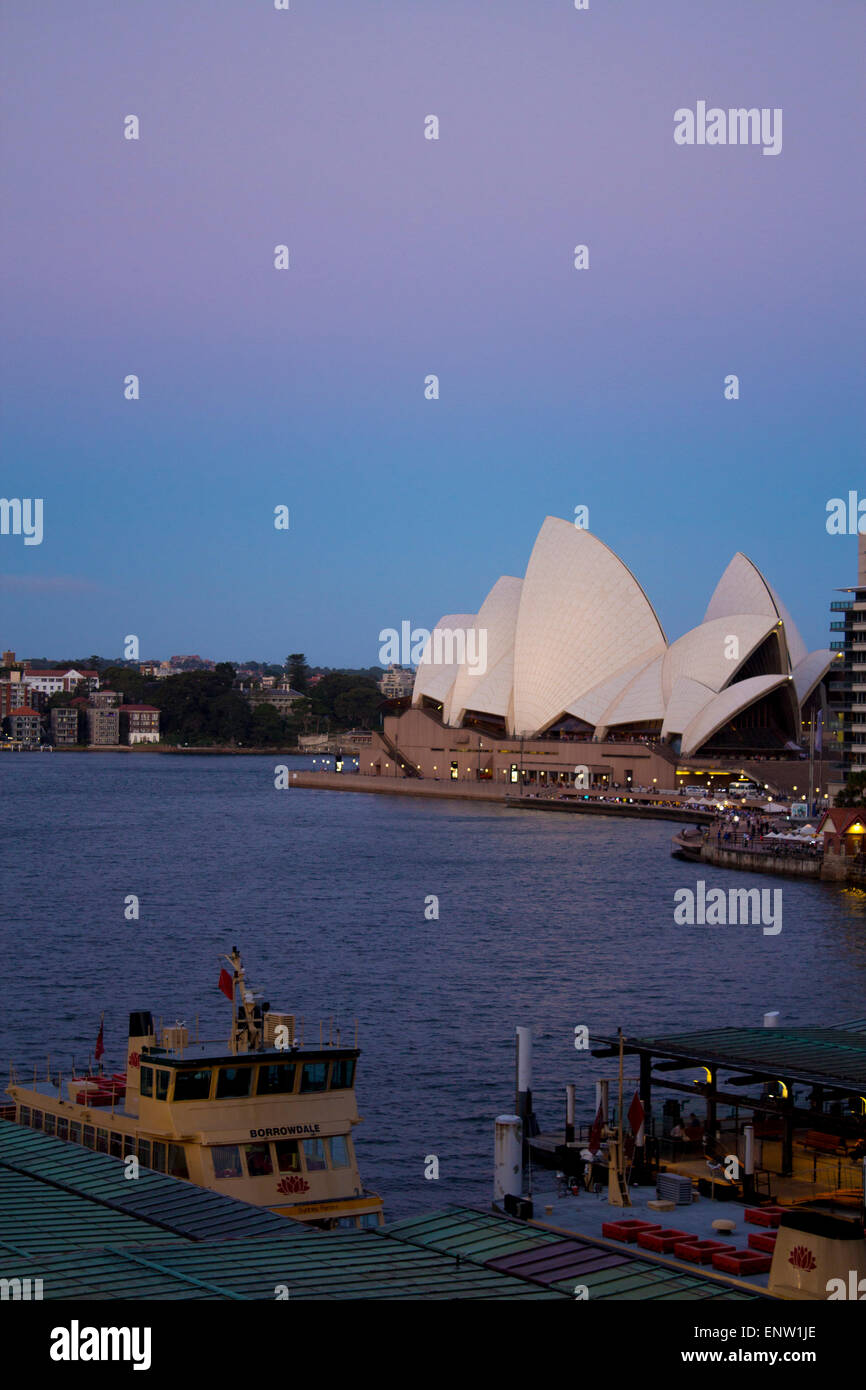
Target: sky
{"points": [[305, 388]]}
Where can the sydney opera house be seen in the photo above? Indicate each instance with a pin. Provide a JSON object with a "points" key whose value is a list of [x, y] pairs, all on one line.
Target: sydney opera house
{"points": [[577, 671]]}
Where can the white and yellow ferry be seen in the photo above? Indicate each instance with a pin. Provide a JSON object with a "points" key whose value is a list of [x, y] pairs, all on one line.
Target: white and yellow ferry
{"points": [[262, 1118]]}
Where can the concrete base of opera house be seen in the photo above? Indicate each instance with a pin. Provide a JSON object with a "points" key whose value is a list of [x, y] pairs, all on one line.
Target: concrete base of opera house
{"points": [[453, 758]]}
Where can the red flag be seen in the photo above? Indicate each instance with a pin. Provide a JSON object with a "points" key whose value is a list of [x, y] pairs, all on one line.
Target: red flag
{"points": [[227, 985], [594, 1141], [636, 1114], [99, 1050]]}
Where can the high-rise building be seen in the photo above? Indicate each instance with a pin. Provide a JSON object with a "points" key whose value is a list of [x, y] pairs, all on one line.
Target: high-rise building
{"points": [[846, 679], [64, 724]]}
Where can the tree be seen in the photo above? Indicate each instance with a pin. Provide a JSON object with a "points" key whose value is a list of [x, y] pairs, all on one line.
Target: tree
{"points": [[854, 791], [298, 672], [268, 726]]}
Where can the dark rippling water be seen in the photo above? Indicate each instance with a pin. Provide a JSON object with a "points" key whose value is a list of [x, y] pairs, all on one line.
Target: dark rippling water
{"points": [[545, 920]]}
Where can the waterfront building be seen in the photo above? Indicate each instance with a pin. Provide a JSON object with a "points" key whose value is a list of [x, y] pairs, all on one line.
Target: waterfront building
{"points": [[105, 699], [139, 723], [60, 680], [847, 682], [282, 697], [397, 682], [103, 726], [64, 725], [569, 667], [24, 725]]}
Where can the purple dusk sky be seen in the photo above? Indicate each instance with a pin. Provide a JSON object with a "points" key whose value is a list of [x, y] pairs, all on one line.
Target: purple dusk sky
{"points": [[409, 257]]}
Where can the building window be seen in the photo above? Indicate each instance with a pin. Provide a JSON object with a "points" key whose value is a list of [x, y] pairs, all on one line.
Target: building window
{"points": [[314, 1076], [233, 1081], [226, 1159], [177, 1161], [258, 1158], [147, 1081], [340, 1151], [192, 1085], [162, 1085], [276, 1079], [288, 1157], [315, 1158], [342, 1074]]}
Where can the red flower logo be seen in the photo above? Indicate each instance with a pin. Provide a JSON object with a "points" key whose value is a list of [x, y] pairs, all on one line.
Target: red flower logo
{"points": [[801, 1257], [134, 1059], [293, 1184]]}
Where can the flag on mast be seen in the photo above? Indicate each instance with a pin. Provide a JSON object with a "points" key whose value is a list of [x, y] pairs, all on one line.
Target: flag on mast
{"points": [[99, 1050], [227, 985]]}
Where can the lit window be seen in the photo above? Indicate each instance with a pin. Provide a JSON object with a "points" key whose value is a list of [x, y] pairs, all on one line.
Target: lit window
{"points": [[288, 1157]]}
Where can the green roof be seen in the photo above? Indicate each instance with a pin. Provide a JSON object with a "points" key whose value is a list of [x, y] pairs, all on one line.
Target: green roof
{"points": [[833, 1057], [70, 1217]]}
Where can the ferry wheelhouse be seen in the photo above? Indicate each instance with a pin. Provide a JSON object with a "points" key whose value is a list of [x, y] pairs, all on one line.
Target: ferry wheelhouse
{"points": [[264, 1118]]}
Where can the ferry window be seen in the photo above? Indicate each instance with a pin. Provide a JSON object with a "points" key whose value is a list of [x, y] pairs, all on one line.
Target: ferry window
{"points": [[102, 1141], [340, 1152], [24, 1114], [157, 1158], [276, 1078], [48, 1125], [75, 1131], [369, 1218], [314, 1077], [288, 1158], [37, 1119], [177, 1161], [233, 1081], [143, 1148], [259, 1163], [162, 1085], [62, 1128], [192, 1085], [226, 1161], [314, 1155], [342, 1074], [147, 1081], [128, 1144], [89, 1136], [115, 1145]]}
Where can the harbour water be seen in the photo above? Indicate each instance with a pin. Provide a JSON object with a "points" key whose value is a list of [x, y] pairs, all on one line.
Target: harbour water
{"points": [[551, 921]]}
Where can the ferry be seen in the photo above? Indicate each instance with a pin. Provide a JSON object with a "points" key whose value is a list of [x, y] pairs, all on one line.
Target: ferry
{"points": [[261, 1118]]}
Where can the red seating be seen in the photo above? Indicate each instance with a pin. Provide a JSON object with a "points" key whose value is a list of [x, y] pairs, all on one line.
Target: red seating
{"points": [[701, 1251], [763, 1216], [763, 1240], [742, 1262], [628, 1229], [662, 1240]]}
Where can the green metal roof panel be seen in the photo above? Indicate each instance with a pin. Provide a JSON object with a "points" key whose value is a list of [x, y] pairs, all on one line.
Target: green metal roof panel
{"points": [[830, 1056]]}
